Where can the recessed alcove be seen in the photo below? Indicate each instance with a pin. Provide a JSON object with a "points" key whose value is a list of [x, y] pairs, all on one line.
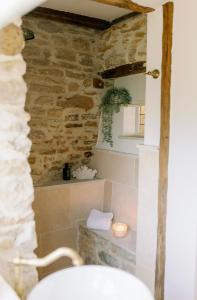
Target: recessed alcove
{"points": [[71, 63]]}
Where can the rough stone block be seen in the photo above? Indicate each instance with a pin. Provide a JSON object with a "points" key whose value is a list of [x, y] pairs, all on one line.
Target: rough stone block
{"points": [[96, 249], [46, 89], [52, 72], [73, 117], [75, 75], [63, 53], [32, 51], [108, 259], [86, 60], [54, 113], [11, 40], [50, 26], [91, 124], [73, 86], [83, 102], [44, 100], [74, 125], [81, 44]]}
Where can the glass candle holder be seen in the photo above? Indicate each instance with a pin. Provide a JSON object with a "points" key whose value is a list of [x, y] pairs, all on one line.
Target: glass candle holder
{"points": [[119, 229]]}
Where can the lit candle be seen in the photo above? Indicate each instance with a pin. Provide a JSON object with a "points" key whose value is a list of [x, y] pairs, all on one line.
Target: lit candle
{"points": [[120, 229]]}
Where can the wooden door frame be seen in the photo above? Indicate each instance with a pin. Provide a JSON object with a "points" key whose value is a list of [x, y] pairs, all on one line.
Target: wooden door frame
{"points": [[168, 11]]}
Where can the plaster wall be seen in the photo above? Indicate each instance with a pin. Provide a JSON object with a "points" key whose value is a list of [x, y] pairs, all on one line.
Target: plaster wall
{"points": [[149, 159], [181, 243], [136, 85], [180, 277], [153, 87]]}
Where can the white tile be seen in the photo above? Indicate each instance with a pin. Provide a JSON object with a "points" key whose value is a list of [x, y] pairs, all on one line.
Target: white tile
{"points": [[116, 166], [124, 204], [85, 197]]}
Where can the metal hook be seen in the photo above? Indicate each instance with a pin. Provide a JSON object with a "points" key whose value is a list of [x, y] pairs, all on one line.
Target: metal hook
{"points": [[155, 73]]}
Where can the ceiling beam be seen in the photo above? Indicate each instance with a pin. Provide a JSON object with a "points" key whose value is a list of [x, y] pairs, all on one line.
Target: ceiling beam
{"points": [[127, 4], [124, 70], [71, 18], [80, 20]]}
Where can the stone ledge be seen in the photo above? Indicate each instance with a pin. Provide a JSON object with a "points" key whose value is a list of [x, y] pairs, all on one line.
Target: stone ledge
{"points": [[67, 182], [101, 248]]}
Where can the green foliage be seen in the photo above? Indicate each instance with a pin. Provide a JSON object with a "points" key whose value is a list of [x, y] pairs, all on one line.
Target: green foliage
{"points": [[111, 103]]}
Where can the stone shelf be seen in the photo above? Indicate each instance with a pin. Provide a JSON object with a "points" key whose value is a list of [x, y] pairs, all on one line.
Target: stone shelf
{"points": [[102, 248], [72, 181]]}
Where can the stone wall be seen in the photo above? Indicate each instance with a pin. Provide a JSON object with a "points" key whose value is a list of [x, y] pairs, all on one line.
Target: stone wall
{"points": [[17, 227], [62, 61], [123, 43], [61, 99], [101, 248]]}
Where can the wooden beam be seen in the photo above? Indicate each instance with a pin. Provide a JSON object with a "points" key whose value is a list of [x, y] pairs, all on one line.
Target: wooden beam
{"points": [[66, 17], [168, 10], [124, 70], [127, 4]]}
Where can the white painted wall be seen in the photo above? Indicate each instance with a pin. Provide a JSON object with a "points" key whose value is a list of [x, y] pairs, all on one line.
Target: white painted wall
{"points": [[136, 85], [181, 248], [119, 144], [151, 3], [149, 159], [147, 215], [181, 242], [153, 86]]}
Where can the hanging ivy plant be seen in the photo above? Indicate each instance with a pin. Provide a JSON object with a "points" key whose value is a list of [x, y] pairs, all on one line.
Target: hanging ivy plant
{"points": [[111, 103]]}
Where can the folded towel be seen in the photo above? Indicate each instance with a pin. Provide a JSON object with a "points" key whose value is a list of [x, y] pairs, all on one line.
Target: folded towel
{"points": [[99, 220], [6, 291]]}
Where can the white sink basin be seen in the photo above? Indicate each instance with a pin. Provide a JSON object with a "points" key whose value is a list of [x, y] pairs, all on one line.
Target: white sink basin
{"points": [[90, 283]]}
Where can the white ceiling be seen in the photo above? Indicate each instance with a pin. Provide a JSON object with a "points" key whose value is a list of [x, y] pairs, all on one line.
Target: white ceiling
{"points": [[151, 3], [87, 8]]}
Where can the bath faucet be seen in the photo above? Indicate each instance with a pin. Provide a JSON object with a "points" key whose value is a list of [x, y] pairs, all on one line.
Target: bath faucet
{"points": [[41, 262]]}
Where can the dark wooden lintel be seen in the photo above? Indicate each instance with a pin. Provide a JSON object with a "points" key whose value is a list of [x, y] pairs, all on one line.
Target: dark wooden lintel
{"points": [[80, 20], [124, 70], [67, 17]]}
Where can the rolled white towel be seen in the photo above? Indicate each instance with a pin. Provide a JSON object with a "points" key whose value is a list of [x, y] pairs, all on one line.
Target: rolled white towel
{"points": [[6, 291], [99, 220]]}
